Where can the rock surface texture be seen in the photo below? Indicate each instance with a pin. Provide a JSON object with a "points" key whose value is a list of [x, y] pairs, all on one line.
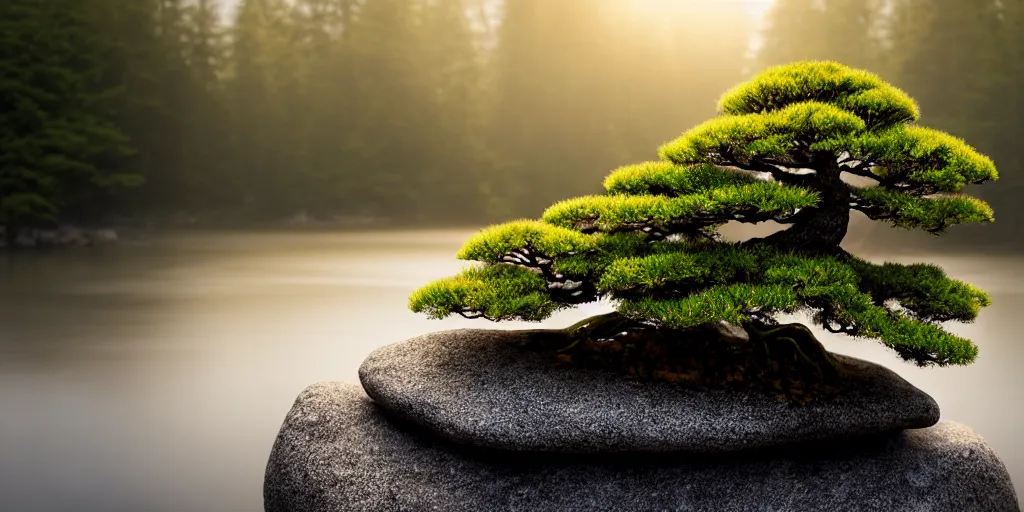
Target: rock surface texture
{"points": [[482, 388], [339, 451]]}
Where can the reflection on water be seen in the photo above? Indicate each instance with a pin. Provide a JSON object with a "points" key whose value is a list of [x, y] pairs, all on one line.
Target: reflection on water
{"points": [[154, 375]]}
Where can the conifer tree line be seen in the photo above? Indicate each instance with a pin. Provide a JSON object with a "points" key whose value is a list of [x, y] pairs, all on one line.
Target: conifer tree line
{"points": [[445, 111]]}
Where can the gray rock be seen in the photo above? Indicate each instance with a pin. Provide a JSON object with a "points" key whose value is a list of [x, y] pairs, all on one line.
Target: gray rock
{"points": [[47, 238], [69, 236], [26, 239], [105, 236], [482, 388], [338, 451]]}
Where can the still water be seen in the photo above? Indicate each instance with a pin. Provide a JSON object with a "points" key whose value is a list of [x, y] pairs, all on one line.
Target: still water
{"points": [[153, 375]]}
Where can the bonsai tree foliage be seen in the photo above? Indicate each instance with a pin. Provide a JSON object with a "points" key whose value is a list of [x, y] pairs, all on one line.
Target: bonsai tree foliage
{"points": [[778, 151]]}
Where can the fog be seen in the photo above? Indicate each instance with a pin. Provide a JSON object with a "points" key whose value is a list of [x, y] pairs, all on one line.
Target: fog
{"points": [[154, 374], [452, 112]]}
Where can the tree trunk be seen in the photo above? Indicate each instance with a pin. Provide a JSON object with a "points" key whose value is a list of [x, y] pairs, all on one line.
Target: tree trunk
{"points": [[821, 229], [822, 232]]}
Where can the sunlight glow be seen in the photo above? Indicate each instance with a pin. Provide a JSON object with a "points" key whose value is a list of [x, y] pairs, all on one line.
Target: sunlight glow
{"points": [[653, 7]]}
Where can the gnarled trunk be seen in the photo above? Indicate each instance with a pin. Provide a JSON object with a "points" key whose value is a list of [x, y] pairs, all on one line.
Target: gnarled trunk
{"points": [[820, 229], [821, 232]]}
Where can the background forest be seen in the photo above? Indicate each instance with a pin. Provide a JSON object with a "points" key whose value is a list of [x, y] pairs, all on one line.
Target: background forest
{"points": [[437, 111]]}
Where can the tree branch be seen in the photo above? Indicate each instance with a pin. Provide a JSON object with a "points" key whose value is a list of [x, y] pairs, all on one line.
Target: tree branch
{"points": [[694, 226], [864, 171], [558, 285], [864, 167], [777, 174], [473, 314], [872, 212], [840, 329]]}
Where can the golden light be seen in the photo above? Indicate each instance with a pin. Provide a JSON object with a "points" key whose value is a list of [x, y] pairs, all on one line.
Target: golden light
{"points": [[653, 7]]}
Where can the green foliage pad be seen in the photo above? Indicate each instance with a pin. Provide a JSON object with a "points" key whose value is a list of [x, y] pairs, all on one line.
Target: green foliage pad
{"points": [[778, 151]]}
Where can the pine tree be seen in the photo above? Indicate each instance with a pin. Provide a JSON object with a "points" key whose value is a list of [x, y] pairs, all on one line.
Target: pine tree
{"points": [[453, 170], [56, 118], [264, 70], [149, 66], [397, 105], [842, 30], [203, 42], [955, 44], [777, 152], [204, 120], [324, 106], [956, 58], [135, 66], [1008, 115], [552, 80]]}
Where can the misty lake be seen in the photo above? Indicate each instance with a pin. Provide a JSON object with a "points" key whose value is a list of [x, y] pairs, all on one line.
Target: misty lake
{"points": [[154, 374]]}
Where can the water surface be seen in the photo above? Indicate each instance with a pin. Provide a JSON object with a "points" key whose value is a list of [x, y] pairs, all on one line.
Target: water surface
{"points": [[153, 375]]}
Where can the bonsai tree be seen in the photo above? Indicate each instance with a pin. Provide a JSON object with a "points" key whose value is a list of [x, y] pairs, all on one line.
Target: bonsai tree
{"points": [[692, 306]]}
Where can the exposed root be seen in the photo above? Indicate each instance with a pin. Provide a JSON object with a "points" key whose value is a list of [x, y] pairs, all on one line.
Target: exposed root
{"points": [[786, 361]]}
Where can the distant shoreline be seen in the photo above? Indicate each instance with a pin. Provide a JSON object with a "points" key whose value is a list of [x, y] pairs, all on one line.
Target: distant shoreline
{"points": [[113, 229]]}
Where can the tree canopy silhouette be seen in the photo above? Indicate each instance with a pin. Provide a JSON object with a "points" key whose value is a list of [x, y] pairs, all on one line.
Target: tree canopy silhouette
{"points": [[778, 151]]}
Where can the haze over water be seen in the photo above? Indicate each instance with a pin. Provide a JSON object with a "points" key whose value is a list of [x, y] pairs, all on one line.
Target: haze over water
{"points": [[154, 375]]}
